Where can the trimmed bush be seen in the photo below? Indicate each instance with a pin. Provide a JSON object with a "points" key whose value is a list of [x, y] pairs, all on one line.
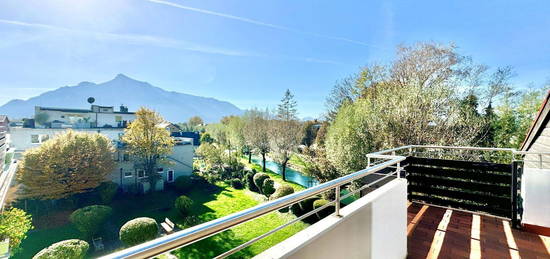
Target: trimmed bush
{"points": [[282, 191], [72, 248], [236, 183], [324, 212], [303, 207], [183, 204], [268, 187], [250, 182], [183, 183], [107, 191], [88, 220], [259, 179], [138, 230]]}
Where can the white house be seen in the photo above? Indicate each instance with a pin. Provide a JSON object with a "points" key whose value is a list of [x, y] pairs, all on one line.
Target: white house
{"points": [[126, 174], [96, 117]]}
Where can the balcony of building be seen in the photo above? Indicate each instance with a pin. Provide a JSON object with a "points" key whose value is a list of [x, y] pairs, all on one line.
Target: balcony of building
{"points": [[412, 201]]}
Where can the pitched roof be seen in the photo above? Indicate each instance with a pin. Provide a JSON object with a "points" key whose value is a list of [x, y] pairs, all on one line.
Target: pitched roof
{"points": [[538, 124], [4, 118]]}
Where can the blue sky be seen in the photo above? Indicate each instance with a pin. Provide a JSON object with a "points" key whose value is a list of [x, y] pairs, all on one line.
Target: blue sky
{"points": [[248, 52]]}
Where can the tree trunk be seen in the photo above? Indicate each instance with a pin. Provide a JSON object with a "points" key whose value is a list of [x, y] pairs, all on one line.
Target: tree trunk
{"points": [[263, 161], [284, 171], [249, 157]]}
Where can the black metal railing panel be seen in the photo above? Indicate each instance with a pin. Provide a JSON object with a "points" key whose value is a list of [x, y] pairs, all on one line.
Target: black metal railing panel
{"points": [[475, 186]]}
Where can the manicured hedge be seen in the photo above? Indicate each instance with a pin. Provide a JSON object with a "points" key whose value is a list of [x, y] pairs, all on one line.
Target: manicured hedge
{"points": [[236, 183], [88, 220], [250, 182], [259, 179], [107, 191], [138, 230], [282, 191], [324, 212], [183, 204], [268, 187], [70, 249]]}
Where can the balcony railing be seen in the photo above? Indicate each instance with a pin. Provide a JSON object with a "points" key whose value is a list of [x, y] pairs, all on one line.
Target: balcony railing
{"points": [[384, 164], [199, 232]]}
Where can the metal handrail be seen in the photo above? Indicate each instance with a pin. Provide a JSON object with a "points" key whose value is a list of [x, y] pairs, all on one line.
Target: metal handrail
{"points": [[202, 231]]}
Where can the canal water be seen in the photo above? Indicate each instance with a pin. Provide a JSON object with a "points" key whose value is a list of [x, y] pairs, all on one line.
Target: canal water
{"points": [[291, 174]]}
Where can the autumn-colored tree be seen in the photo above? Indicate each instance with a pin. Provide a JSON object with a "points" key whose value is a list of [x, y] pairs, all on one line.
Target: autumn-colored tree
{"points": [[14, 224], [148, 142], [70, 163], [195, 121]]}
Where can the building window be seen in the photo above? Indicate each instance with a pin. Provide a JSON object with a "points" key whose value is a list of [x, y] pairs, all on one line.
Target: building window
{"points": [[128, 174], [170, 176], [44, 138], [126, 157], [140, 173], [37, 139], [160, 170]]}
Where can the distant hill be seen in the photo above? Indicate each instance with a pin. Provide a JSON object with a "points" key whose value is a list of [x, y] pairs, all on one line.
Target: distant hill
{"points": [[173, 106]]}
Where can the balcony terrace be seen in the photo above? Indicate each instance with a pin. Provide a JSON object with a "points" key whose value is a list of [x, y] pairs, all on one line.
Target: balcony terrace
{"points": [[413, 201]]}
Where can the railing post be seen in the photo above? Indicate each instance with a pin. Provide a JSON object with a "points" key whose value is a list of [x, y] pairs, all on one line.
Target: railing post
{"points": [[540, 161], [399, 170], [337, 202], [368, 162]]}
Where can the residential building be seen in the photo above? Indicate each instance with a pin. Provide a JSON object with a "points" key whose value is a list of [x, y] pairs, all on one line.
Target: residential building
{"points": [[536, 171], [127, 174], [95, 117], [4, 126]]}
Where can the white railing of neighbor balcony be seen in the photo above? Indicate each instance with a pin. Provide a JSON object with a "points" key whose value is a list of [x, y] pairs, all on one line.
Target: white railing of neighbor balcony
{"points": [[188, 236]]}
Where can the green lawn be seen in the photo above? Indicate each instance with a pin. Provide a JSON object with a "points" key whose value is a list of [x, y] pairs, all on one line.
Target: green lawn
{"points": [[210, 202], [228, 201]]}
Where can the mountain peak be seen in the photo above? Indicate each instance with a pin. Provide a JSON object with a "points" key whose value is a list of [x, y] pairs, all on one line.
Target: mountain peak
{"points": [[122, 77]]}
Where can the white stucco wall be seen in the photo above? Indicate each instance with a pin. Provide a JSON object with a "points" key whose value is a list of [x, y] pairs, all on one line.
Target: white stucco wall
{"points": [[20, 138], [371, 227], [535, 191]]}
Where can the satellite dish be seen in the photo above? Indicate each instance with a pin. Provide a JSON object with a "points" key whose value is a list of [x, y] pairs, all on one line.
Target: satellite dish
{"points": [[91, 100]]}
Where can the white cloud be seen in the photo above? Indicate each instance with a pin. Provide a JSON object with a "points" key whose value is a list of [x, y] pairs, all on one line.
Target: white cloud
{"points": [[260, 23], [141, 39]]}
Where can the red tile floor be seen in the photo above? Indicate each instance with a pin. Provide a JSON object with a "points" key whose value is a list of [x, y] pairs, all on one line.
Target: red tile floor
{"points": [[435, 232]]}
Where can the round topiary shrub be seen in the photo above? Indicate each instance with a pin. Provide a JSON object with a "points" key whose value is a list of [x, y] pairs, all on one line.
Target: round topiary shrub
{"points": [[324, 212], [236, 183], [88, 220], [138, 230], [107, 191], [259, 179], [72, 248], [183, 204], [268, 187], [303, 207], [183, 183], [282, 191], [250, 182]]}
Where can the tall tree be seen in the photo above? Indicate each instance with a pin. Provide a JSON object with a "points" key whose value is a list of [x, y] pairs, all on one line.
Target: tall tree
{"points": [[195, 121], [286, 132], [310, 129], [69, 163], [148, 142], [416, 99], [257, 132]]}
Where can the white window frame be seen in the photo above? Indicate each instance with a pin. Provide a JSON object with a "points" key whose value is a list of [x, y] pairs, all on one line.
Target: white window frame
{"points": [[128, 176], [37, 139], [168, 176], [143, 171]]}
